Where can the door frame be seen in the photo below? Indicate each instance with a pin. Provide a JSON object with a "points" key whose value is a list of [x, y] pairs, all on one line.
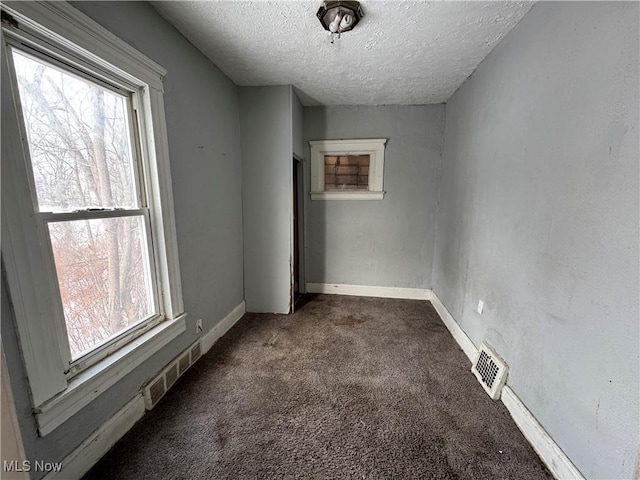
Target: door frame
{"points": [[298, 161]]}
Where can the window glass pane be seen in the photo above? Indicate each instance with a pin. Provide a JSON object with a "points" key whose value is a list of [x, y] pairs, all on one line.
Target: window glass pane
{"points": [[346, 172], [104, 277], [79, 139]]}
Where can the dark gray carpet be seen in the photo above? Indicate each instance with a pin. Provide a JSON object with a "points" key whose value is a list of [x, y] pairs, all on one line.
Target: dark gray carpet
{"points": [[347, 387]]}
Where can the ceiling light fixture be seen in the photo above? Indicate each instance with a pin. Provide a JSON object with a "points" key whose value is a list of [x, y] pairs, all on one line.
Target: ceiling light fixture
{"points": [[339, 16]]}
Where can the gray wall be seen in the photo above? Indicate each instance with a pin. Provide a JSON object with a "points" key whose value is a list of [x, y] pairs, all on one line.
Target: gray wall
{"points": [[297, 111], [539, 218], [202, 114], [267, 168], [387, 242]]}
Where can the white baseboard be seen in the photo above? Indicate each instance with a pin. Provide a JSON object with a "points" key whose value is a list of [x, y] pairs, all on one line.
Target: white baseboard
{"points": [[365, 291], [542, 443], [548, 450], [469, 349], [99, 442], [213, 335]]}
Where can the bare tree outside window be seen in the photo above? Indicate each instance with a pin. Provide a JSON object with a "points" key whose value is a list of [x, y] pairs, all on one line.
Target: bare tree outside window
{"points": [[79, 139]]}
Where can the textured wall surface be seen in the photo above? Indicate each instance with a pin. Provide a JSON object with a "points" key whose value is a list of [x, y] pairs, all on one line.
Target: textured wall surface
{"points": [[539, 218], [267, 169], [385, 242], [202, 114], [404, 52]]}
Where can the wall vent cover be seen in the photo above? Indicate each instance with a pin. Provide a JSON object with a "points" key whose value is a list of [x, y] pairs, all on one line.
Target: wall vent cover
{"points": [[157, 387], [490, 370], [183, 363], [196, 352], [171, 374], [156, 390]]}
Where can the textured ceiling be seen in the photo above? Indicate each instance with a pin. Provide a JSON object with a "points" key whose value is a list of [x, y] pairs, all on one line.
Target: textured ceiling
{"points": [[401, 52]]}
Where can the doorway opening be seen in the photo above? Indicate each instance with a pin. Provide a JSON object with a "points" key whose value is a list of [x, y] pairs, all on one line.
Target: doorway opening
{"points": [[297, 267]]}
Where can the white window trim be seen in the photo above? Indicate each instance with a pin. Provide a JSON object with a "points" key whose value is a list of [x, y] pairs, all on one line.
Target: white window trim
{"points": [[54, 397], [374, 147], [92, 382]]}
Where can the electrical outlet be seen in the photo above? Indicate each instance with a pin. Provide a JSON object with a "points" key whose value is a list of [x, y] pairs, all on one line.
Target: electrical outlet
{"points": [[199, 325], [480, 307]]}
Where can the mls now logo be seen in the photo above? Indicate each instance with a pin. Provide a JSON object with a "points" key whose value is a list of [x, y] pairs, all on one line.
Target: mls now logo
{"points": [[28, 466]]}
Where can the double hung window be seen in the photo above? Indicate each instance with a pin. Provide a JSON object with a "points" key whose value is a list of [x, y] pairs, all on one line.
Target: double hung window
{"points": [[88, 235], [85, 180]]}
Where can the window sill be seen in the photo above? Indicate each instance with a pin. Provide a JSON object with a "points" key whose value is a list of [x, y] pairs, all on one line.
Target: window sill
{"points": [[347, 195], [94, 381]]}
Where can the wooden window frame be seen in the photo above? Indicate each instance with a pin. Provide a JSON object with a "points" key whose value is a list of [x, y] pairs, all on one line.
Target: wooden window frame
{"points": [[375, 148], [59, 391]]}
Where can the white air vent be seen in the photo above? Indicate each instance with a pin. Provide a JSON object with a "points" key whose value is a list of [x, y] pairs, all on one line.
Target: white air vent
{"points": [[156, 388], [183, 364], [196, 352], [490, 370], [171, 375]]}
